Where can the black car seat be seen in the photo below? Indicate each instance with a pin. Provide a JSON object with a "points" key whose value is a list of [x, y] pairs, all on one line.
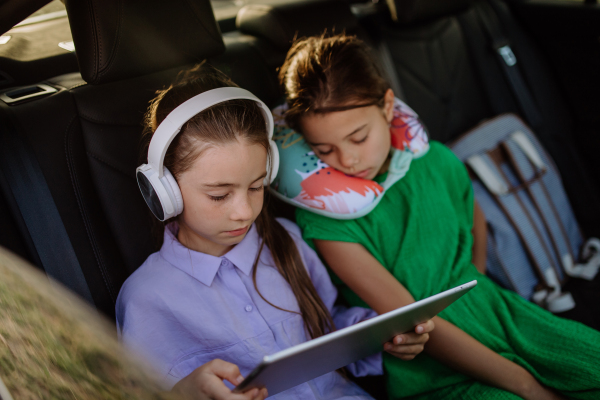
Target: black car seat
{"points": [[278, 25], [86, 136], [451, 76]]}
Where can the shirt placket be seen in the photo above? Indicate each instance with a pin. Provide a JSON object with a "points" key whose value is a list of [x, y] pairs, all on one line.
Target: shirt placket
{"points": [[246, 306]]}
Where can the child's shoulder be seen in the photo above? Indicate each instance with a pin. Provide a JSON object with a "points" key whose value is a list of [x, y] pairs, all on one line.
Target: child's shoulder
{"points": [[442, 153], [441, 159], [143, 281]]}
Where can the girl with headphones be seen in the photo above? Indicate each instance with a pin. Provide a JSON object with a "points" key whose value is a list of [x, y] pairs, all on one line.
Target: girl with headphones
{"points": [[230, 281]]}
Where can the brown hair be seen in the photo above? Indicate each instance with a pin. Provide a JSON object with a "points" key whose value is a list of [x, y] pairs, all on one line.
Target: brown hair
{"points": [[223, 123], [324, 74]]}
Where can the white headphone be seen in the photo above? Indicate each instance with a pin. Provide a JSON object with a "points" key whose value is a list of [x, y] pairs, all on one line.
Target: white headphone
{"points": [[157, 184]]}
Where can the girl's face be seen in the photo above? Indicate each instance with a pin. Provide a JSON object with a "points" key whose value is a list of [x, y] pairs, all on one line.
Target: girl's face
{"points": [[356, 141], [222, 196]]}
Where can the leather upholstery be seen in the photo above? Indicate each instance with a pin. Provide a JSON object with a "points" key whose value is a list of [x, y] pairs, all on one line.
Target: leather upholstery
{"points": [[437, 78], [413, 11], [118, 39], [281, 24]]}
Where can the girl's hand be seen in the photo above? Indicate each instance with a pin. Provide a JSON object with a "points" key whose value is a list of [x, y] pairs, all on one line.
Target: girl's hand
{"points": [[408, 345], [206, 383]]}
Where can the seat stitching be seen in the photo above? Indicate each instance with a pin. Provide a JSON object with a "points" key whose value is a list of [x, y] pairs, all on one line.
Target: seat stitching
{"points": [[110, 164], [84, 215], [97, 47], [201, 23], [406, 69], [104, 122], [77, 85], [113, 55]]}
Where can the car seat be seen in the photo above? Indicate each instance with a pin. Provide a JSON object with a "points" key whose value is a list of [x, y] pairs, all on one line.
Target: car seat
{"points": [[450, 75], [86, 136]]}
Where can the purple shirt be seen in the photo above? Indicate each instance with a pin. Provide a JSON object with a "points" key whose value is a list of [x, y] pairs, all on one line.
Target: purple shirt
{"points": [[184, 308]]}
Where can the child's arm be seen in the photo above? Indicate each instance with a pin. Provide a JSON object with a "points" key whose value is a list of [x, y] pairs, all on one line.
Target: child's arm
{"points": [[405, 346], [479, 238], [451, 345]]}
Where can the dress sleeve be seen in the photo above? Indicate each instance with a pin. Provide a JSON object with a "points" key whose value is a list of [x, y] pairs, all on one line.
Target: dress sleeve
{"points": [[319, 227], [342, 316]]}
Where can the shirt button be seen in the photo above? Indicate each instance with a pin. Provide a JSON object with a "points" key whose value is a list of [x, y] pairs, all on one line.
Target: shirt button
{"points": [[248, 308]]}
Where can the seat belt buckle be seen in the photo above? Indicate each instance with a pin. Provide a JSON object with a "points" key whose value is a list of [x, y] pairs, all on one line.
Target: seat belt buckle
{"points": [[507, 55]]}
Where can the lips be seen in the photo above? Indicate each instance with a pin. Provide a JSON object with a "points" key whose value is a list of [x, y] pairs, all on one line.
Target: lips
{"points": [[363, 173], [237, 232]]}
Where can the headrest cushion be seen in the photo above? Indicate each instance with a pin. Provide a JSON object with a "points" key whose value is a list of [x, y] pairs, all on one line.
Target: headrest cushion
{"points": [[411, 11], [305, 181], [281, 24], [117, 39]]}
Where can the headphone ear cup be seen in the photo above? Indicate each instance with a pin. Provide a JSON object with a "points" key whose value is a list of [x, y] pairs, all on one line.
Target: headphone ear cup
{"points": [[174, 191], [272, 163]]}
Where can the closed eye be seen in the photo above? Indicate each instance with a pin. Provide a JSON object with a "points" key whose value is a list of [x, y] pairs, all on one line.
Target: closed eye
{"points": [[361, 140], [257, 189], [217, 198]]}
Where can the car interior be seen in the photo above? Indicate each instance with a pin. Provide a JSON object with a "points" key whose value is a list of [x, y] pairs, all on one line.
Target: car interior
{"points": [[71, 120]]}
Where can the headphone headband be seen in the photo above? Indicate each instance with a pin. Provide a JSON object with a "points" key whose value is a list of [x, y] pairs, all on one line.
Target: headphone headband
{"points": [[158, 186], [171, 125]]}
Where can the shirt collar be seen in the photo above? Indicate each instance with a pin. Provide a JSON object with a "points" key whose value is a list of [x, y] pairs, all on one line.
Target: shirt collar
{"points": [[244, 253], [204, 267]]}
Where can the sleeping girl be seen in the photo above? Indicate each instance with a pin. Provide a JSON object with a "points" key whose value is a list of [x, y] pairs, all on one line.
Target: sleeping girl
{"points": [[415, 238]]}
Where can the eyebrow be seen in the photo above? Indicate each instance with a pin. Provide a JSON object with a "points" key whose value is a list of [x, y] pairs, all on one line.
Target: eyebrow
{"points": [[345, 137], [219, 184]]}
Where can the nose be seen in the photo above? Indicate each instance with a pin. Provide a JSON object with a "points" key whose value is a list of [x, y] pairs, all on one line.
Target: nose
{"points": [[242, 209], [347, 159]]}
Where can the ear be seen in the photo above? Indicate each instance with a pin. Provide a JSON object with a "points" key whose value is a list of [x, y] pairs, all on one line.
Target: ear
{"points": [[388, 105]]}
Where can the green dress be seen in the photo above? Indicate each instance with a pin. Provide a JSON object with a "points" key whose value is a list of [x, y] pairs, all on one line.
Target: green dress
{"points": [[421, 233]]}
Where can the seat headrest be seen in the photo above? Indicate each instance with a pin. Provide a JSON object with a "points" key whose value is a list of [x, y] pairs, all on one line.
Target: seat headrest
{"points": [[411, 11], [280, 24], [117, 39]]}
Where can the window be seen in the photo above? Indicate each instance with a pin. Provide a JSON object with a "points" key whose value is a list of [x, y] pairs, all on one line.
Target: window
{"points": [[45, 33]]}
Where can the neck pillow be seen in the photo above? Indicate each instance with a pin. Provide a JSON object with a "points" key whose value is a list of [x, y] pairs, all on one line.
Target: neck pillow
{"points": [[307, 182]]}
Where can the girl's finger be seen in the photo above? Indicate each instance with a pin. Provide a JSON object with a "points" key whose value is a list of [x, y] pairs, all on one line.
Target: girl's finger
{"points": [[225, 370], [425, 327], [405, 349], [251, 394], [410, 338], [405, 357], [262, 395]]}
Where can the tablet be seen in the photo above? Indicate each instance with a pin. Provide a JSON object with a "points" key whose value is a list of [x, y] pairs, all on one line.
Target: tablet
{"points": [[298, 364]]}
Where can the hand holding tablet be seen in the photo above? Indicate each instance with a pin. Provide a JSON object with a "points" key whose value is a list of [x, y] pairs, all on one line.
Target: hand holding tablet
{"points": [[408, 345], [306, 361]]}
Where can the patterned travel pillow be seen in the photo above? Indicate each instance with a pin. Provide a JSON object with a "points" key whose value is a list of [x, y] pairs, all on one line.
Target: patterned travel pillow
{"points": [[307, 182]]}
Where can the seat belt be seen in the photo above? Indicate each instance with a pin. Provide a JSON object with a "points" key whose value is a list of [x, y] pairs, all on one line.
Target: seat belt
{"points": [[28, 186], [508, 62]]}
